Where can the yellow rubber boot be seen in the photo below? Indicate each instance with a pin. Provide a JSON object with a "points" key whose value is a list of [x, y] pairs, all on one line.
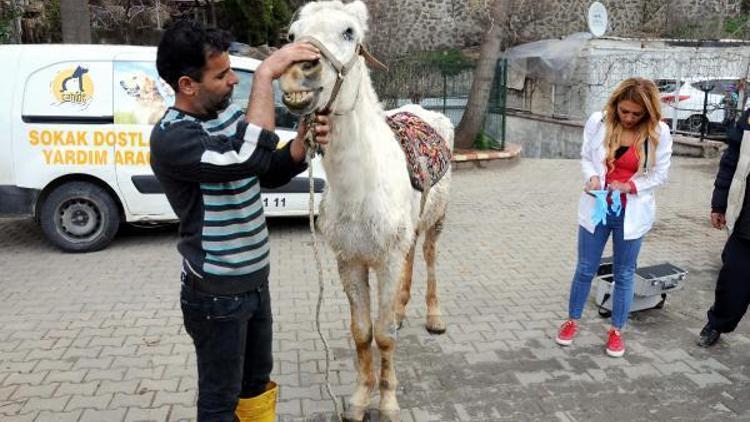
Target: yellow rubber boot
{"points": [[261, 408]]}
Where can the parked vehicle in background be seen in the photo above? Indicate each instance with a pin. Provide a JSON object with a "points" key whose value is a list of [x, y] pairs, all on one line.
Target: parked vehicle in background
{"points": [[75, 123], [721, 97]]}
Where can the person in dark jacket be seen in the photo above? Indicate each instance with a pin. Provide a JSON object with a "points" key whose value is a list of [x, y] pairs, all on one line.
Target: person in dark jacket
{"points": [[730, 208]]}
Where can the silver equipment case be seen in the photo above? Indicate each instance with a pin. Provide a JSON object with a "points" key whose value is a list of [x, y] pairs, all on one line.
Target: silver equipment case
{"points": [[650, 286]]}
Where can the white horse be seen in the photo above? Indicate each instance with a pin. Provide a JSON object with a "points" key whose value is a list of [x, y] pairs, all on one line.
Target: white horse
{"points": [[370, 215]]}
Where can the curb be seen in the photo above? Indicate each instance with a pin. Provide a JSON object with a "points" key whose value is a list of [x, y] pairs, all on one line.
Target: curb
{"points": [[475, 155]]}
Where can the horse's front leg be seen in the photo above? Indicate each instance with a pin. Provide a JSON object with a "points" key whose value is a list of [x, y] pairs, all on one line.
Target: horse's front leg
{"points": [[354, 278], [385, 334]]}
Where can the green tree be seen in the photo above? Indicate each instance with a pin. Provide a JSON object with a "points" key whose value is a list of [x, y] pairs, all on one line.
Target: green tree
{"points": [[255, 22], [53, 20], [9, 15], [505, 18]]}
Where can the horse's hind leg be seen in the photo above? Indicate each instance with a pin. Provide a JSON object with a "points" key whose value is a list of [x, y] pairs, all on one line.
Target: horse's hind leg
{"points": [[354, 277], [435, 323], [404, 292]]}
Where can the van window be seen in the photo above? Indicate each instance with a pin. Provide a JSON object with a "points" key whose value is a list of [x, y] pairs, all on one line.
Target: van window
{"points": [[141, 96], [69, 92], [241, 93]]}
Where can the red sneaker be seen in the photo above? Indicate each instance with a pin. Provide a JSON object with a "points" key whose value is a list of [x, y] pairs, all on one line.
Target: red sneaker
{"points": [[567, 331], [615, 345]]}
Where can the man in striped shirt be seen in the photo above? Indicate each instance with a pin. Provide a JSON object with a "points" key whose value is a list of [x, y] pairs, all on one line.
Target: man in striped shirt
{"points": [[212, 159]]}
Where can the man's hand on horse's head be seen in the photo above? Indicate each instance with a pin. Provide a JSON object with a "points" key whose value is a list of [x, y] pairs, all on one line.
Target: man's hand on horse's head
{"points": [[277, 63]]}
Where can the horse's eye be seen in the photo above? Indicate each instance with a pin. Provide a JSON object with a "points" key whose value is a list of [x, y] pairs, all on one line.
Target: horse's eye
{"points": [[290, 37], [348, 34]]}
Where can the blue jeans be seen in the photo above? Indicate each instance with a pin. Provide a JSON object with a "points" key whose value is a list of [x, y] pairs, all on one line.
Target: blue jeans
{"points": [[232, 337], [590, 248]]}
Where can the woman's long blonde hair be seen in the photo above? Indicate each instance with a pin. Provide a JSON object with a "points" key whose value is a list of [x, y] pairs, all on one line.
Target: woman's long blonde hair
{"points": [[644, 93]]}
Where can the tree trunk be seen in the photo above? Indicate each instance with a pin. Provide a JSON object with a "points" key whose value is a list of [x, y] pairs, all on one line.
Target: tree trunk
{"points": [[17, 30], [158, 14], [76, 23], [212, 13], [481, 85]]}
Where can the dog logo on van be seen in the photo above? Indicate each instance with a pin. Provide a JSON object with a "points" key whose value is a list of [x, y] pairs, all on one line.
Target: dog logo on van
{"points": [[73, 86]]}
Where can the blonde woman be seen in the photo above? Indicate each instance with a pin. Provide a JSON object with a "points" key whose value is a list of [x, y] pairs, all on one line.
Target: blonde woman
{"points": [[626, 149]]}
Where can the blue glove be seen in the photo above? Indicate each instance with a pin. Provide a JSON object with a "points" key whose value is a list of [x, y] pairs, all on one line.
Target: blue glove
{"points": [[599, 214], [616, 207]]}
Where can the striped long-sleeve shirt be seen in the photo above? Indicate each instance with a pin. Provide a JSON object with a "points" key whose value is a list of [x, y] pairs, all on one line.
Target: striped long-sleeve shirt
{"points": [[212, 171]]}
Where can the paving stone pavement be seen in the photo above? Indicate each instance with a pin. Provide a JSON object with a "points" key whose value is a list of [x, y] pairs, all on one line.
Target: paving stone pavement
{"points": [[99, 336]]}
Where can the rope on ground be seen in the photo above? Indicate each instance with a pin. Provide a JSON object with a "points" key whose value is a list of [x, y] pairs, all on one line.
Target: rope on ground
{"points": [[311, 152]]}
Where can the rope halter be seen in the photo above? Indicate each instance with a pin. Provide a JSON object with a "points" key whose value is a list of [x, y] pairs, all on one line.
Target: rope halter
{"points": [[342, 69]]}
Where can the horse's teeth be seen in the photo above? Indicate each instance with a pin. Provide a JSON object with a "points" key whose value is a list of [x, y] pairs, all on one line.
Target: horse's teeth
{"points": [[298, 97]]}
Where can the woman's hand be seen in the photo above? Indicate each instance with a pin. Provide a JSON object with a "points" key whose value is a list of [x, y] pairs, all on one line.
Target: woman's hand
{"points": [[622, 187], [594, 184]]}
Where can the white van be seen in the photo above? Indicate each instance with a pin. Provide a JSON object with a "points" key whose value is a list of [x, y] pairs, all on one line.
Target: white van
{"points": [[687, 104], [75, 123]]}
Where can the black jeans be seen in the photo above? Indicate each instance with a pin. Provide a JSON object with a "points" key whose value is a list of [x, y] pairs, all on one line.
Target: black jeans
{"points": [[232, 337], [732, 294]]}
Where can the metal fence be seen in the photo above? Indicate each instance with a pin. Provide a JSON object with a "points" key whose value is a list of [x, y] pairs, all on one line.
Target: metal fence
{"points": [[701, 94], [445, 91]]}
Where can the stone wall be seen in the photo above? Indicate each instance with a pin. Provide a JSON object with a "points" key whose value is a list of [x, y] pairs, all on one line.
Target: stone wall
{"points": [[542, 137], [402, 26]]}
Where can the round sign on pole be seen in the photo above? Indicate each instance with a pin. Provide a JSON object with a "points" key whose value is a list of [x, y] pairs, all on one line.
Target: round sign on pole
{"points": [[597, 19]]}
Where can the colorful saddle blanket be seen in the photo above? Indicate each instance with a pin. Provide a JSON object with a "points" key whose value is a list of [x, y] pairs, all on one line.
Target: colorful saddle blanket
{"points": [[428, 155]]}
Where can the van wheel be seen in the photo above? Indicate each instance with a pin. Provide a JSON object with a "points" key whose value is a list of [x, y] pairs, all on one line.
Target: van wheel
{"points": [[79, 217]]}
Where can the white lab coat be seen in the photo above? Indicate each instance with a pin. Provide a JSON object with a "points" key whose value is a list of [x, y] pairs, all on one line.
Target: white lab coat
{"points": [[641, 206]]}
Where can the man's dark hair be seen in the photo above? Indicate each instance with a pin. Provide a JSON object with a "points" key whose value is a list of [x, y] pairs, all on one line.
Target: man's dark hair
{"points": [[183, 50]]}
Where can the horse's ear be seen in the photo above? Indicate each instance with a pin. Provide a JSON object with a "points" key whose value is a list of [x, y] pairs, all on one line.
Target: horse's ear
{"points": [[359, 10]]}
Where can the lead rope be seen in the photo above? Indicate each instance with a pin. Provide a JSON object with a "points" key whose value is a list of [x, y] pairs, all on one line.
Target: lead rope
{"points": [[312, 149]]}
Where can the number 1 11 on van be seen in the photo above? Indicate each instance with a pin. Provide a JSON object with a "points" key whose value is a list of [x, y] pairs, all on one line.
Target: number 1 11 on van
{"points": [[276, 202]]}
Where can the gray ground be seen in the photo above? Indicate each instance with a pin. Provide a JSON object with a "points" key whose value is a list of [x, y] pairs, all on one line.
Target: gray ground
{"points": [[99, 337]]}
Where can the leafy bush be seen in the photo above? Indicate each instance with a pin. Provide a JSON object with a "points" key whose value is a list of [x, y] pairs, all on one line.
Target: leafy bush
{"points": [[7, 20], [451, 62], [485, 141]]}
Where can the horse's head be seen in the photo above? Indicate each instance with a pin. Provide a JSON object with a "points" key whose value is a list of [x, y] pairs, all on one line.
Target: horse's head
{"points": [[338, 30]]}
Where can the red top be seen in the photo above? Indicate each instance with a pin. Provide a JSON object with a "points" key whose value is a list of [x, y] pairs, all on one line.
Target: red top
{"points": [[624, 169]]}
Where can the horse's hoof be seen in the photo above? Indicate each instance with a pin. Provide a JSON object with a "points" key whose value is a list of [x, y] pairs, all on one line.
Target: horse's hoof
{"points": [[435, 325], [400, 321], [354, 414], [390, 416]]}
